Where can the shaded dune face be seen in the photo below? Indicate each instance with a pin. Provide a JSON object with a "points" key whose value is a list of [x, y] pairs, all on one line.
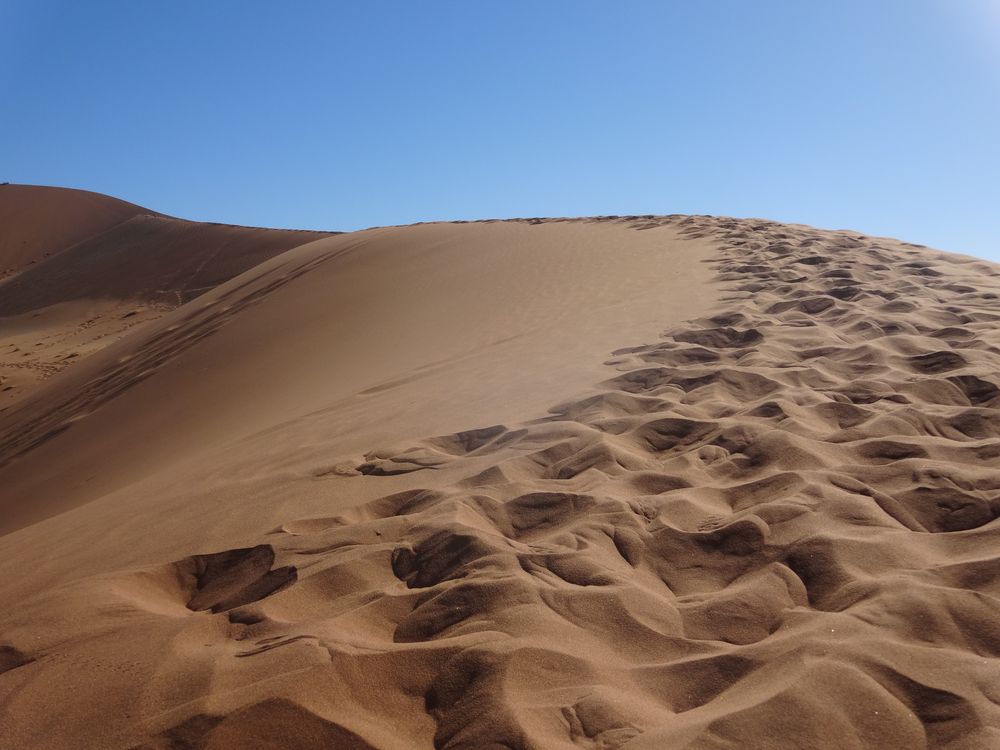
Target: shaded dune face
{"points": [[774, 528], [40, 425], [37, 222], [78, 271], [148, 259]]}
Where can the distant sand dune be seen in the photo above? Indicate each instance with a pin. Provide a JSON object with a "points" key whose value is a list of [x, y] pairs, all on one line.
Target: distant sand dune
{"points": [[39, 222], [773, 527], [86, 269]]}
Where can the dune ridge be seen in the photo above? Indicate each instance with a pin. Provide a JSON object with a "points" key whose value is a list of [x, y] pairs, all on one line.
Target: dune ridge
{"points": [[394, 331], [776, 527], [84, 270], [40, 221], [39, 426]]}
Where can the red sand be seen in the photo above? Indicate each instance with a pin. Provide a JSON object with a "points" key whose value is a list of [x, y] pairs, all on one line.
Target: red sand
{"points": [[392, 489]]}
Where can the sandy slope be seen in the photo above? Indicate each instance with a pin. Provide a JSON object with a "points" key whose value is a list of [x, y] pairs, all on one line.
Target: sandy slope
{"points": [[100, 267], [38, 222], [391, 490], [433, 327]]}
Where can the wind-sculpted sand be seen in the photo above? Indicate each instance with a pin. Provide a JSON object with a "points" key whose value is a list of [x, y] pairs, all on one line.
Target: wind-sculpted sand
{"points": [[79, 270], [773, 527]]}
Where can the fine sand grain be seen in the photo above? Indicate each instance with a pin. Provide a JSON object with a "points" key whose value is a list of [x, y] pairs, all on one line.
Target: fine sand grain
{"points": [[641, 482]]}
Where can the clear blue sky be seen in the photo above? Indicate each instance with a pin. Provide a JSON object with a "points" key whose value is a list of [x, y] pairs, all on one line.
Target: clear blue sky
{"points": [[877, 115]]}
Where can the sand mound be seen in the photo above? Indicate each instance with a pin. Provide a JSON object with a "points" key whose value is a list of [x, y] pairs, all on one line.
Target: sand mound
{"points": [[91, 269], [147, 259], [774, 527], [39, 222], [408, 324]]}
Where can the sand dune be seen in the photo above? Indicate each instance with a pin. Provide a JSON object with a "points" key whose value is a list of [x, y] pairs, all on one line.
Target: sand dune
{"points": [[646, 482], [39, 222], [98, 268], [427, 326]]}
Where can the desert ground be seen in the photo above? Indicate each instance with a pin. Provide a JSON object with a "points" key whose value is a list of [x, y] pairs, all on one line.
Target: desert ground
{"points": [[637, 482]]}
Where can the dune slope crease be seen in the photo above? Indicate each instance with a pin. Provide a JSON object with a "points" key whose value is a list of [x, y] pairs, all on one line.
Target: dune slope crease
{"points": [[768, 522]]}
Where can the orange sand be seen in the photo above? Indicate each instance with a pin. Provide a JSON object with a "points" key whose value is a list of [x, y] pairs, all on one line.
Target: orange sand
{"points": [[679, 482]]}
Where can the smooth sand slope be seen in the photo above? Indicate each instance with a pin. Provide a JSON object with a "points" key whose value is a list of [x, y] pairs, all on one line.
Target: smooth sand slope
{"points": [[38, 222], [85, 269], [624, 483]]}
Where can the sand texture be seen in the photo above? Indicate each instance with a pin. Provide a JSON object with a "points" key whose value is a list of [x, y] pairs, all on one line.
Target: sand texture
{"points": [[675, 482]]}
